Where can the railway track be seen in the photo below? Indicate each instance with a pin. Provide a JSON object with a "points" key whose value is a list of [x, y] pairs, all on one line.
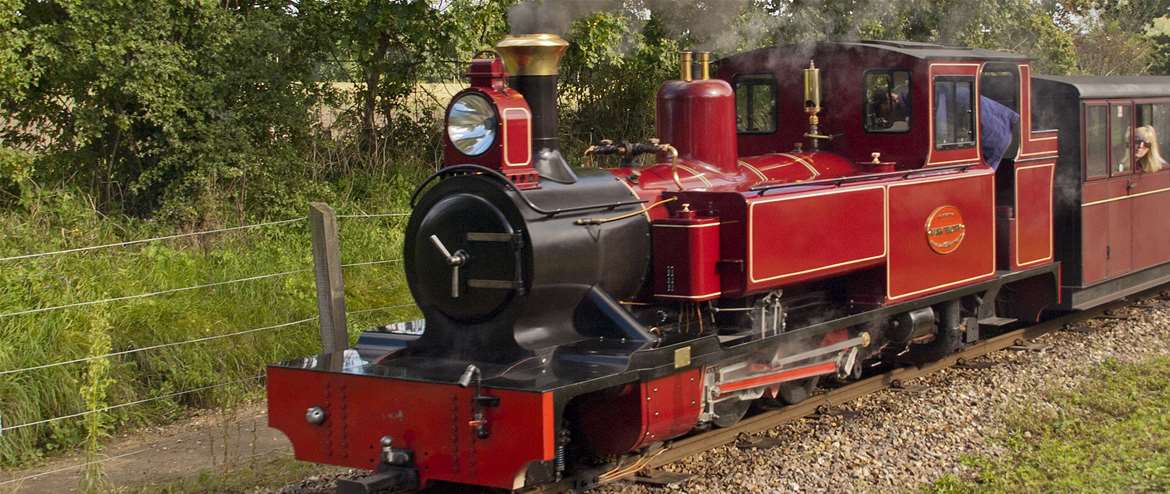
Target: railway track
{"points": [[698, 443]]}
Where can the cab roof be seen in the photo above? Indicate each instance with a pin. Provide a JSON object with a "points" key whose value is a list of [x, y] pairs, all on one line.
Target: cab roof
{"points": [[935, 51]]}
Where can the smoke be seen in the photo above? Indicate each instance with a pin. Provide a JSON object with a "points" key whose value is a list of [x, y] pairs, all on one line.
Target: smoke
{"points": [[720, 26], [555, 16]]}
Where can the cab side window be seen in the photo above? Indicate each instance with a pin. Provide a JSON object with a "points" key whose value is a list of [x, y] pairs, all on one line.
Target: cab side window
{"points": [[887, 101], [755, 104], [954, 112]]}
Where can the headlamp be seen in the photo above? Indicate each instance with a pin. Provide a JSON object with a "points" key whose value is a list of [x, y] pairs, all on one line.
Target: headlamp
{"points": [[472, 124]]}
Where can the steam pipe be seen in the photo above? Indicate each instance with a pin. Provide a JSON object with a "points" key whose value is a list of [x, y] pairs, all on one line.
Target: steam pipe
{"points": [[685, 65], [704, 65]]}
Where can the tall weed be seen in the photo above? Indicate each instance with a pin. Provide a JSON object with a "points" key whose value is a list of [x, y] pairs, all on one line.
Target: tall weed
{"points": [[55, 220]]}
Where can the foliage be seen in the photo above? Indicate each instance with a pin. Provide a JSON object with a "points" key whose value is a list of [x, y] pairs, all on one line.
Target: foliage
{"points": [[1110, 434], [225, 366], [610, 77], [125, 120]]}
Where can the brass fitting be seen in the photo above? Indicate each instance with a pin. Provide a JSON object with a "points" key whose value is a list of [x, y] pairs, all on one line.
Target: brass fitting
{"points": [[704, 65], [684, 64], [532, 54]]}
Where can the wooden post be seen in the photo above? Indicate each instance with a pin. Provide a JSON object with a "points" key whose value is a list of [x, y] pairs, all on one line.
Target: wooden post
{"points": [[330, 284]]}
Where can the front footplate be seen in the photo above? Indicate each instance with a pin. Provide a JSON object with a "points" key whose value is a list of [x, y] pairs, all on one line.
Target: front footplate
{"points": [[389, 477]]}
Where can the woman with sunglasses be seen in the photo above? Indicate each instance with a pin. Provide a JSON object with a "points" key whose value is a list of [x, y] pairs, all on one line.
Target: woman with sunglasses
{"points": [[1146, 149]]}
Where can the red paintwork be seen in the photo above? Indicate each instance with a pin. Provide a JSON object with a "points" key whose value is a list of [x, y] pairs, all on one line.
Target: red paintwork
{"points": [[511, 154], [698, 119], [752, 171], [800, 236], [686, 251], [940, 157], [913, 268], [1151, 201], [638, 414], [430, 419], [842, 99], [803, 372], [1032, 225]]}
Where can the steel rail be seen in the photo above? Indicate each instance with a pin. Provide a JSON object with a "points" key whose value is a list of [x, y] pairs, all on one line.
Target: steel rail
{"points": [[705, 441]]}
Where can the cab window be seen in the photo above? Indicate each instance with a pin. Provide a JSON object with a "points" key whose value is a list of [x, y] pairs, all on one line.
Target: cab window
{"points": [[887, 101], [755, 104], [954, 114]]}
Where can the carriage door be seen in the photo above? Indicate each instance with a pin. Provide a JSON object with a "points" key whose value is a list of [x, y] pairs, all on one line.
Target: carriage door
{"points": [[1119, 253], [1151, 193]]}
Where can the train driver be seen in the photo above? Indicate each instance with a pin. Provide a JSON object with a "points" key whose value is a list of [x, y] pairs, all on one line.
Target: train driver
{"points": [[997, 124]]}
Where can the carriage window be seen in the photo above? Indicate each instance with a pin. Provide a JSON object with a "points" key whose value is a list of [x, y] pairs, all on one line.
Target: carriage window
{"points": [[1119, 133], [755, 104], [1096, 141], [954, 115], [1156, 115], [887, 101]]}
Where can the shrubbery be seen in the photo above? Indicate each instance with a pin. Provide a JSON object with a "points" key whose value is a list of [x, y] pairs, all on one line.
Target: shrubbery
{"points": [[128, 119]]}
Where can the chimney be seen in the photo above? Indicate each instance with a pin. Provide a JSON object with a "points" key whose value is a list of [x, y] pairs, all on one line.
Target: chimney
{"points": [[531, 61]]}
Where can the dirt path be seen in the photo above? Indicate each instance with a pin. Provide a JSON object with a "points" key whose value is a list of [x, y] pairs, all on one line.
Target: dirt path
{"points": [[157, 455]]}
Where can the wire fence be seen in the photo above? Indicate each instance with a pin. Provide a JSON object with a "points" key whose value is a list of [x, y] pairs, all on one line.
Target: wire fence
{"points": [[306, 321]]}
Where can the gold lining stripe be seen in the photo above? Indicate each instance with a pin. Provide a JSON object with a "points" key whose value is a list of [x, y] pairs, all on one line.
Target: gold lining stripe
{"points": [[1122, 198], [689, 297], [696, 174], [811, 169], [753, 170], [645, 211]]}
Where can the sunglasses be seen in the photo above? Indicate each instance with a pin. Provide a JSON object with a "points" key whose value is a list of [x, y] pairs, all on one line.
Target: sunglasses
{"points": [[1141, 142]]}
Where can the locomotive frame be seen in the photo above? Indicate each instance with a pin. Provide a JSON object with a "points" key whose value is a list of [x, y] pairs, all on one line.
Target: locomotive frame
{"points": [[577, 314]]}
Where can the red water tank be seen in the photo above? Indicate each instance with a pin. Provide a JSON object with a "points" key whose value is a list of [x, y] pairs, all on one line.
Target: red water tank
{"points": [[698, 119]]}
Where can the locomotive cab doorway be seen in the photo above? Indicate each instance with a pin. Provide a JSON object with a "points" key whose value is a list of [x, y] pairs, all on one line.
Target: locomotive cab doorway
{"points": [[1000, 82]]}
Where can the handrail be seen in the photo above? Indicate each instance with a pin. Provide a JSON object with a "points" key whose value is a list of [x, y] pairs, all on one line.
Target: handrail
{"points": [[839, 181]]}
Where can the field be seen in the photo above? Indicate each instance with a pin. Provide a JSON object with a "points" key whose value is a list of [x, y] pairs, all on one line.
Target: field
{"points": [[93, 347]]}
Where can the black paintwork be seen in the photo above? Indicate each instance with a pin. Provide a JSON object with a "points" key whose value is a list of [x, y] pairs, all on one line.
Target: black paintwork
{"points": [[1102, 87], [540, 91], [555, 264], [591, 364]]}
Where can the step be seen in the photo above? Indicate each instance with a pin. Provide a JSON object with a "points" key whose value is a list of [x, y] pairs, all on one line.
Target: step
{"points": [[997, 322]]}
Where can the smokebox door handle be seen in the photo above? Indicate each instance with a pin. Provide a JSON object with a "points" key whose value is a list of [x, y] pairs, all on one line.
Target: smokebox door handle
{"points": [[456, 260]]}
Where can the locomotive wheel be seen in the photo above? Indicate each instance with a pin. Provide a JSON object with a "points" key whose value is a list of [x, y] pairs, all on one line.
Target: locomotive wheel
{"points": [[730, 412], [793, 392]]}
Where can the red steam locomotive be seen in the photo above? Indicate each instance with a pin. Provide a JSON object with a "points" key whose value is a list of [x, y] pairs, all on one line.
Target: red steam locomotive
{"points": [[799, 224]]}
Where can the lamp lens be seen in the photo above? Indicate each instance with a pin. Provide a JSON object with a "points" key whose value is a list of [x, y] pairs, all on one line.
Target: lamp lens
{"points": [[472, 124]]}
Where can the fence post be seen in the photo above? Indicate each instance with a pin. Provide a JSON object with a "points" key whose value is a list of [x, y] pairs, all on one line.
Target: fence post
{"points": [[330, 284]]}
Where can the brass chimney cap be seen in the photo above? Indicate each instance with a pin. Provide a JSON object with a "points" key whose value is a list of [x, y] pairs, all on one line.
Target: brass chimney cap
{"points": [[532, 54]]}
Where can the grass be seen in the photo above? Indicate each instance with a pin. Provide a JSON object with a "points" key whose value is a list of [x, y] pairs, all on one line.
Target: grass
{"points": [[224, 366], [1111, 434], [261, 474]]}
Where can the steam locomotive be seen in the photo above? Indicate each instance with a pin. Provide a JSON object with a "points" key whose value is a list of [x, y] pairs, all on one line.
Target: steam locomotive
{"points": [[804, 213]]}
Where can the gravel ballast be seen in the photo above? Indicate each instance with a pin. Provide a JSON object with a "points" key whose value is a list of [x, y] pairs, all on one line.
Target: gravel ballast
{"points": [[897, 440]]}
